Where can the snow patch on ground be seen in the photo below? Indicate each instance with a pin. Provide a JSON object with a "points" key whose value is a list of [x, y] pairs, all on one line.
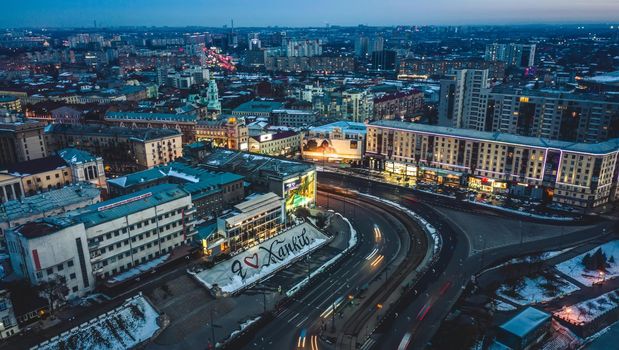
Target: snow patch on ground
{"points": [[539, 289], [588, 310], [576, 270], [503, 306], [132, 323], [523, 213]]}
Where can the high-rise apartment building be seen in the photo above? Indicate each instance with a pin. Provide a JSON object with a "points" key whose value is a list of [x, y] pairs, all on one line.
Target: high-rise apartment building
{"points": [[519, 55], [470, 99]]}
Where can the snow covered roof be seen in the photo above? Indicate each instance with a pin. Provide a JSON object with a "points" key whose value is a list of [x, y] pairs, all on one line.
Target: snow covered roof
{"points": [[527, 321]]}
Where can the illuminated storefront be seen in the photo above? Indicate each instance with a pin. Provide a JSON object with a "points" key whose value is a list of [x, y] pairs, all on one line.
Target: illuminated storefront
{"points": [[440, 177], [400, 168], [300, 191], [488, 185]]}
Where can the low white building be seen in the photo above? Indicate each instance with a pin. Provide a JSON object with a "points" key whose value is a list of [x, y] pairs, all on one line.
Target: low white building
{"points": [[84, 166], [103, 240], [257, 218]]}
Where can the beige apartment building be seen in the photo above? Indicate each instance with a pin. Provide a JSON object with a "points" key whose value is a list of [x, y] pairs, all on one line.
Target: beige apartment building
{"points": [[577, 174]]}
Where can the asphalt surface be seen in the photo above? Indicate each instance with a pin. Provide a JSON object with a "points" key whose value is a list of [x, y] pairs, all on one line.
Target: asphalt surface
{"points": [[436, 293], [302, 319]]}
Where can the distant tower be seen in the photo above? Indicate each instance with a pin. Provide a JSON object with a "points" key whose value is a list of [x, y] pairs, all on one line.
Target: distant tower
{"points": [[212, 97]]}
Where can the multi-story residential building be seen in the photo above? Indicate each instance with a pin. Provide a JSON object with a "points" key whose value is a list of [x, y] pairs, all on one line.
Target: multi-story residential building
{"points": [[577, 174], [256, 219], [303, 48], [446, 101], [122, 149], [399, 104], [554, 115], [293, 118], [365, 46], [8, 321], [98, 243], [292, 180], [418, 68], [229, 132], [336, 142], [21, 140], [185, 123], [357, 105], [519, 55], [321, 64], [471, 100], [211, 192], [283, 143]]}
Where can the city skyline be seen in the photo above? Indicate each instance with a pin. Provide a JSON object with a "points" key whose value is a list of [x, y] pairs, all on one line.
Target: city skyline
{"points": [[70, 13]]}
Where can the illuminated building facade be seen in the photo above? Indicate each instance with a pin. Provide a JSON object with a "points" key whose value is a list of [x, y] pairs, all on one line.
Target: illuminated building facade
{"points": [[577, 174]]}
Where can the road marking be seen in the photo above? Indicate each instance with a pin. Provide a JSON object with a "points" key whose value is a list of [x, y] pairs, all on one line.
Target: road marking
{"points": [[295, 316], [300, 323]]}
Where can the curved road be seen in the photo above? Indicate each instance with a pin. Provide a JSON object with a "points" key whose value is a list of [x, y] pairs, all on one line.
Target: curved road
{"points": [[297, 326], [422, 312]]}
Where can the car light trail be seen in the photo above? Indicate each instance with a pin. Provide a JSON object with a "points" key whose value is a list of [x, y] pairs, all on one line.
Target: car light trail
{"points": [[372, 254], [301, 341], [332, 307], [377, 234], [377, 261], [314, 342]]}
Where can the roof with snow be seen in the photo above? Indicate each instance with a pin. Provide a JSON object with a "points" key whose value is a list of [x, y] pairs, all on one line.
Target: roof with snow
{"points": [[527, 321], [75, 156], [259, 106], [48, 201], [142, 134], [254, 166], [159, 117], [195, 180], [119, 207], [345, 126], [605, 147]]}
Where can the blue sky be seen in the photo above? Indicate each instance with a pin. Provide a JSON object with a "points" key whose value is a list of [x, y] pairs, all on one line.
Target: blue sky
{"points": [[55, 13]]}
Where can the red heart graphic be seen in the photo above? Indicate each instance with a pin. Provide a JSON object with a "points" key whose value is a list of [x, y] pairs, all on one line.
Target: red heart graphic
{"points": [[252, 261]]}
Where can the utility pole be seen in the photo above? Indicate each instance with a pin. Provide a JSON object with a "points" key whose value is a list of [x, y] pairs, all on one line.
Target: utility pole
{"points": [[333, 318], [212, 329]]}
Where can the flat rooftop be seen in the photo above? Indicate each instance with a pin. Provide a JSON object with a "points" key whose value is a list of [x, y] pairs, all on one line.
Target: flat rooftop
{"points": [[254, 165], [525, 322], [49, 201], [141, 134], [141, 116], [128, 204], [345, 126], [605, 147]]}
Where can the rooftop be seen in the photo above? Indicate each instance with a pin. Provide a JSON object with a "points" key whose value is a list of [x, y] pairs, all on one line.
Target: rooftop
{"points": [[262, 106], [346, 127], [75, 156], [605, 147], [128, 204], [163, 117], [562, 94], [43, 227], [37, 166], [525, 322], [141, 134], [254, 165], [194, 179], [48, 201]]}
